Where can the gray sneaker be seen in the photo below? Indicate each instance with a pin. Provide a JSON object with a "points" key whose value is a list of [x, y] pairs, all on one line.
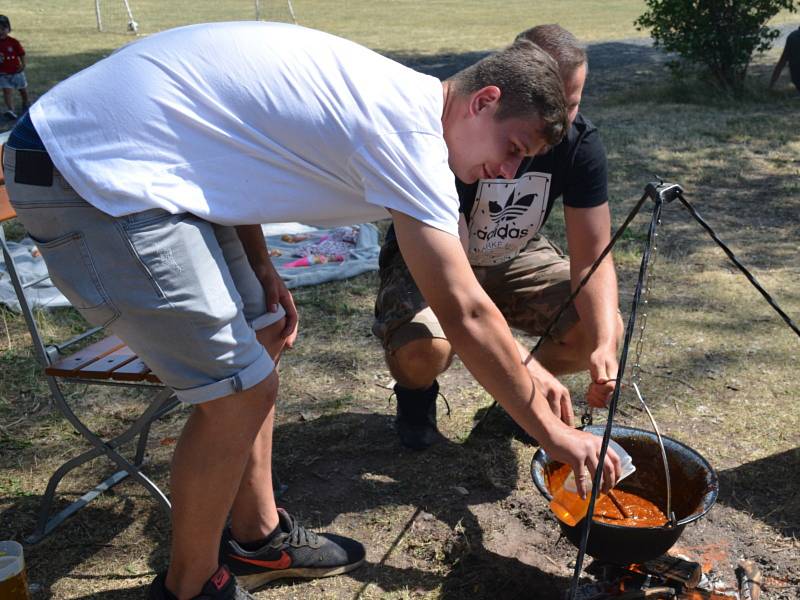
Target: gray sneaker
{"points": [[293, 552]]}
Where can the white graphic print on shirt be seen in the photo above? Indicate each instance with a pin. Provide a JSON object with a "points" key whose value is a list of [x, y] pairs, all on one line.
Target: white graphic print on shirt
{"points": [[506, 214]]}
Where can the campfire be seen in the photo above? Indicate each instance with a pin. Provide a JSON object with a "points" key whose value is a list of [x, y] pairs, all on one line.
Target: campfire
{"points": [[670, 577]]}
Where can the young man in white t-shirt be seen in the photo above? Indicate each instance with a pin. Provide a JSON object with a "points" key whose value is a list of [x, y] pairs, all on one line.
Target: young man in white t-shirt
{"points": [[165, 158]]}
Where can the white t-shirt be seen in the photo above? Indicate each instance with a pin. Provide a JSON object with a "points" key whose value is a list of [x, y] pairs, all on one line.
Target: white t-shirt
{"points": [[244, 123]]}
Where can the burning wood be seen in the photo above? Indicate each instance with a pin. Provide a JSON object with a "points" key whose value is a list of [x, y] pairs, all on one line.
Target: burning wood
{"points": [[656, 593], [749, 577], [673, 568], [666, 577]]}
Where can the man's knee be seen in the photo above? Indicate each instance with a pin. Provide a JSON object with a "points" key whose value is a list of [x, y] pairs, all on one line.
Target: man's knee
{"points": [[243, 411], [417, 363]]}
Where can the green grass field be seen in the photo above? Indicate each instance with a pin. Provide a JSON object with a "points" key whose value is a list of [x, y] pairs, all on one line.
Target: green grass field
{"points": [[719, 365], [61, 36]]}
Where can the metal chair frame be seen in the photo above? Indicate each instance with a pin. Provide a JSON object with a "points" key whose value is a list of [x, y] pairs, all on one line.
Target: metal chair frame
{"points": [[52, 354]]}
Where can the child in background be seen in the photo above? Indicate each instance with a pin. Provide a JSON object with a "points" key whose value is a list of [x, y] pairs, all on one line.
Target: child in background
{"points": [[12, 67]]}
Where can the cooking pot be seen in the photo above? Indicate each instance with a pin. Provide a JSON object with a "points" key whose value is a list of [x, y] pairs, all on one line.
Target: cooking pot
{"points": [[694, 484]]}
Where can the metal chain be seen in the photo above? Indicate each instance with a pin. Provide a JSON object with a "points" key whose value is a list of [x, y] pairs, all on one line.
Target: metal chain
{"points": [[635, 376]]}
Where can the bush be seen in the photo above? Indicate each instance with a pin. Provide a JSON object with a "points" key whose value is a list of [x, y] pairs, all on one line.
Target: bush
{"points": [[721, 35]]}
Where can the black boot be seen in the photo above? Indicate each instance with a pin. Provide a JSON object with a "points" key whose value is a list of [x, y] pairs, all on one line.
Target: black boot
{"points": [[416, 416]]}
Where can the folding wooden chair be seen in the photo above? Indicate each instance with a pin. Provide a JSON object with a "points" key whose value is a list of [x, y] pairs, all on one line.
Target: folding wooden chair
{"points": [[106, 362]]}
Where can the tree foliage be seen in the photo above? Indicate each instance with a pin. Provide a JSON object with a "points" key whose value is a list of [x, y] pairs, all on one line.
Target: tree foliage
{"points": [[721, 35]]}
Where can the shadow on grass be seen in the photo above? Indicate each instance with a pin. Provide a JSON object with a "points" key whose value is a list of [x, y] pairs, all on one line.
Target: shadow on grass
{"points": [[749, 228], [483, 574], [354, 463], [747, 216], [438, 65], [602, 56], [85, 534], [614, 55], [766, 489], [94, 529]]}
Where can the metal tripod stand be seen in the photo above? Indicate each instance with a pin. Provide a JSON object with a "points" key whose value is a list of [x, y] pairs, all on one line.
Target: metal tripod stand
{"points": [[660, 193]]}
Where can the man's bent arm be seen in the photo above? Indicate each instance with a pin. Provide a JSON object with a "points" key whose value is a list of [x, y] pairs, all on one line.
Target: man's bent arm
{"points": [[473, 324], [483, 341], [588, 233], [255, 247], [556, 394]]}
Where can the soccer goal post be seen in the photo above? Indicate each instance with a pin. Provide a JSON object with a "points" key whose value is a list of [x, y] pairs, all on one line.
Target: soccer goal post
{"points": [[110, 13], [117, 16], [288, 5]]}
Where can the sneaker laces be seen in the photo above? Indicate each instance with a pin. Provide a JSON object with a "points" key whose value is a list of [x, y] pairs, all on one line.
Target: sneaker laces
{"points": [[300, 536]]}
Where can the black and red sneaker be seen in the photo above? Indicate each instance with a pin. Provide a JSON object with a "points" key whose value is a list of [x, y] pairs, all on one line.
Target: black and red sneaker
{"points": [[221, 586], [293, 551]]}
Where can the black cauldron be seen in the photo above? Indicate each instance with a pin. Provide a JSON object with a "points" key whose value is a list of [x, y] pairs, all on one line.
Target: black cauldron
{"points": [[694, 486]]}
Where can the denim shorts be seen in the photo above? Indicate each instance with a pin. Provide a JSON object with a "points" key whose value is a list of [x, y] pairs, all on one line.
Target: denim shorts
{"points": [[177, 289], [15, 81]]}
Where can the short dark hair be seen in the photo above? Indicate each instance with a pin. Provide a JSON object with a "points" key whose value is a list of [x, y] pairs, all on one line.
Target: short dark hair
{"points": [[529, 82], [559, 43], [4, 22]]}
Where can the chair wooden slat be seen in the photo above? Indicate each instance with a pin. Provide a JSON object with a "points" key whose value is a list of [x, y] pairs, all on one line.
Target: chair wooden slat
{"points": [[104, 366], [72, 364], [135, 370]]}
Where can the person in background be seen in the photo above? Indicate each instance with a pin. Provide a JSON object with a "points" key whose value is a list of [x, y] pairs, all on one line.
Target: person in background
{"points": [[526, 275], [12, 70], [791, 55]]}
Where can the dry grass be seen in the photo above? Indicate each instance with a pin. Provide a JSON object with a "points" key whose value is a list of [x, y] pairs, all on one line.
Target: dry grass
{"points": [[719, 365]]}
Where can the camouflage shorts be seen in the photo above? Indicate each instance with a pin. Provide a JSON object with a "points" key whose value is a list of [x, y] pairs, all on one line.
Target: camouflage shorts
{"points": [[529, 290]]}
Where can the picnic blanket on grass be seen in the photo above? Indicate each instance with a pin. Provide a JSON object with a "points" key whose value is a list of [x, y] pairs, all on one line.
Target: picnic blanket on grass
{"points": [[330, 254]]}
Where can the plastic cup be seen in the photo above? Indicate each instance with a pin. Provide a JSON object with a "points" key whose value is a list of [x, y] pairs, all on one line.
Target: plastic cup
{"points": [[13, 582], [626, 462], [568, 506]]}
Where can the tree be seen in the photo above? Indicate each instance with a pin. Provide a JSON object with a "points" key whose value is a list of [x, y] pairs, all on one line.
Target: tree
{"points": [[721, 35]]}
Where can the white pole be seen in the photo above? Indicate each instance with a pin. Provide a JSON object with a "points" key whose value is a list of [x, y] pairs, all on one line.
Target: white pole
{"points": [[133, 26], [97, 13], [291, 11], [258, 10]]}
